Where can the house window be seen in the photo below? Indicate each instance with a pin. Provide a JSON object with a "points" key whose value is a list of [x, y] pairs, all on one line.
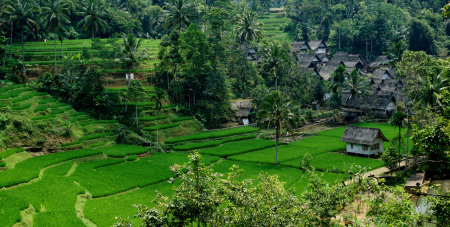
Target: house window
{"points": [[351, 146], [375, 146], [365, 147]]}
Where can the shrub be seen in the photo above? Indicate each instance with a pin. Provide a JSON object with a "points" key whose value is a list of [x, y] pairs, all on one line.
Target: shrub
{"points": [[131, 158], [2, 164]]}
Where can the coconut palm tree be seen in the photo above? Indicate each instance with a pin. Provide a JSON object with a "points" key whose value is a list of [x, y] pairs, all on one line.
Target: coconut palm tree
{"points": [[21, 13], [160, 96], [398, 120], [93, 13], [275, 110], [130, 54], [355, 84], [55, 14], [274, 56], [247, 27], [338, 78], [431, 93], [396, 52], [179, 12]]}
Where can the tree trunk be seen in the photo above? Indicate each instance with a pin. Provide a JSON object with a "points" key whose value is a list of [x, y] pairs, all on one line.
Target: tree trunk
{"points": [[56, 37], [23, 59], [92, 49], [407, 141], [276, 86], [277, 135], [128, 88], [157, 131], [10, 50], [137, 118], [62, 54]]}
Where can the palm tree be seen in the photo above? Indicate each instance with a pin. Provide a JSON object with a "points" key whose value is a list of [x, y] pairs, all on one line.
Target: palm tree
{"points": [[276, 111], [338, 78], [247, 26], [93, 14], [274, 56], [21, 12], [179, 12], [398, 121], [55, 14], [131, 55], [160, 96], [355, 84], [396, 52], [431, 93]]}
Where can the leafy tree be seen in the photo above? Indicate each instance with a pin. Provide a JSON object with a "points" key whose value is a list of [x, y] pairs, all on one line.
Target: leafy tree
{"points": [[160, 96], [421, 37], [247, 27], [431, 93], [55, 14], [21, 12], [357, 85], [338, 78], [276, 111], [131, 55], [274, 56], [440, 207], [396, 52], [179, 12], [136, 93], [93, 13]]}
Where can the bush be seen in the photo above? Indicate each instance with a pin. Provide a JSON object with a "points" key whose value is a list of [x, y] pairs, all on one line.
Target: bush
{"points": [[2, 164], [131, 158]]}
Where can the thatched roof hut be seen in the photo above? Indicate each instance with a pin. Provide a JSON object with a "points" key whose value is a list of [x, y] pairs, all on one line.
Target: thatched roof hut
{"points": [[361, 140]]}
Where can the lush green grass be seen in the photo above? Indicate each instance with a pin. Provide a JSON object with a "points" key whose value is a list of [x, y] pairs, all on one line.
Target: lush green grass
{"points": [[60, 110], [148, 170], [11, 87], [88, 137], [9, 152], [28, 96], [14, 93], [121, 151], [214, 143], [239, 147], [152, 118], [293, 150], [182, 119], [212, 134], [46, 101], [97, 122], [43, 117], [21, 107], [165, 126], [41, 108], [139, 104], [29, 169], [58, 199]]}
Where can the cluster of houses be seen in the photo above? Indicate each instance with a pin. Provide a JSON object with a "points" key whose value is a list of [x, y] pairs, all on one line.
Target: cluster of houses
{"points": [[313, 57]]}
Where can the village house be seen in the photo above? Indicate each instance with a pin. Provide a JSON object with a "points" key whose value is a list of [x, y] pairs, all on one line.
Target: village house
{"points": [[361, 140], [381, 61], [313, 46], [252, 52]]}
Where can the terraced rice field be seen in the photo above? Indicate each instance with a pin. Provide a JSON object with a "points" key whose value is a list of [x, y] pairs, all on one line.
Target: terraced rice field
{"points": [[273, 23], [95, 185], [42, 53]]}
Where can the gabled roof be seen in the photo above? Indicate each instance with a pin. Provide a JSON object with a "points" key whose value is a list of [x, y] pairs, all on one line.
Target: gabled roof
{"points": [[361, 135], [315, 44], [378, 73], [332, 65], [354, 61], [307, 60], [377, 101], [297, 46], [323, 57], [380, 61]]}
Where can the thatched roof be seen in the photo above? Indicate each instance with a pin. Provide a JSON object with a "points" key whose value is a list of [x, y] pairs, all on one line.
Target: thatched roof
{"points": [[354, 61], [307, 60], [315, 44], [243, 112], [381, 60], [361, 135], [323, 58], [378, 73], [299, 46], [332, 65], [375, 102]]}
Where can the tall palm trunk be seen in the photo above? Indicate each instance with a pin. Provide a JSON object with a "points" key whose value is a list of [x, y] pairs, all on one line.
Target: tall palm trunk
{"points": [[10, 50], [92, 50], [128, 89], [157, 131], [137, 119], [277, 135], [23, 59], [62, 54], [276, 86], [56, 37]]}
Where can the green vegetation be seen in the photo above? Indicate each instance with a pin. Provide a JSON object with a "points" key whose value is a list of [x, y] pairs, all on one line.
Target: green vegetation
{"points": [[153, 128], [240, 147], [21, 107], [47, 101], [9, 152], [193, 146], [97, 122], [212, 134], [121, 151], [41, 108]]}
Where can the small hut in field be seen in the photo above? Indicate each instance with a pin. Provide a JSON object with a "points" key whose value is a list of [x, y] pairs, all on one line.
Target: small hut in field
{"points": [[360, 140]]}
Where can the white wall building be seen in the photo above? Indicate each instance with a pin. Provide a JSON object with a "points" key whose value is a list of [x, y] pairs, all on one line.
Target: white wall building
{"points": [[360, 140]]}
